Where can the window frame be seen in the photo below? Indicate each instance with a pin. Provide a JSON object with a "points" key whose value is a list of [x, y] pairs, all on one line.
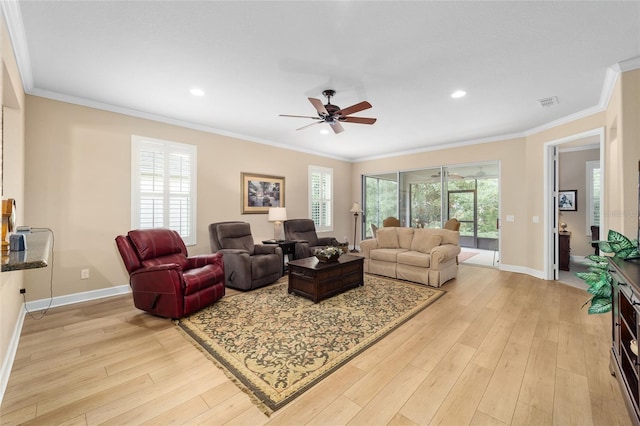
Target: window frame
{"points": [[167, 148], [590, 166], [323, 199]]}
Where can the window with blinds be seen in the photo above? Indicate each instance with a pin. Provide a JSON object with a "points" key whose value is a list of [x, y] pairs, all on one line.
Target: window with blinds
{"points": [[321, 197], [163, 186], [593, 194]]}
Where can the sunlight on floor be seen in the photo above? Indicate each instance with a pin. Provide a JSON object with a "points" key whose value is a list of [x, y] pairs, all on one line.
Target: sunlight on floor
{"points": [[487, 258]]}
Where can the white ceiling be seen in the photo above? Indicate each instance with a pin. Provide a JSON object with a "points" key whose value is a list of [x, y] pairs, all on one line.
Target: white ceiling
{"points": [[256, 60]]}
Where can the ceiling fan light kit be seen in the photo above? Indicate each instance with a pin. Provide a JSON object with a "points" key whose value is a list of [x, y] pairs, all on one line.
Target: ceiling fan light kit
{"points": [[333, 114]]}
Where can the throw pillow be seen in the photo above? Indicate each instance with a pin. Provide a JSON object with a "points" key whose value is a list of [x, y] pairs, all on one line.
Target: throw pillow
{"points": [[424, 241], [387, 238]]}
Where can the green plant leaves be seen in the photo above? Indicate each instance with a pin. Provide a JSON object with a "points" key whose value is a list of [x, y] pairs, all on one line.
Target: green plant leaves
{"points": [[600, 305], [620, 245], [598, 277]]}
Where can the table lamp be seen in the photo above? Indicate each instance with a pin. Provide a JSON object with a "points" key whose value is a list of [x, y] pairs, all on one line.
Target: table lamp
{"points": [[356, 210], [277, 215]]}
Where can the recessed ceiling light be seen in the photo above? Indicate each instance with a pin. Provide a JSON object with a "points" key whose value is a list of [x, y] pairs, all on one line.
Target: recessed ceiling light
{"points": [[458, 94], [324, 131], [197, 92]]}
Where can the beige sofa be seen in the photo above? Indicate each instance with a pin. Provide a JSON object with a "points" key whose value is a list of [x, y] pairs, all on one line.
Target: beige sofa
{"points": [[427, 256]]}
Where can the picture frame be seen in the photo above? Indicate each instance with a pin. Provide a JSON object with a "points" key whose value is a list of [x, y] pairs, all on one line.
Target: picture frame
{"points": [[568, 200], [260, 192]]}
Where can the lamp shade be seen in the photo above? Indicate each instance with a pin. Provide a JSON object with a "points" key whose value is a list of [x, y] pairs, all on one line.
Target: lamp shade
{"points": [[355, 208], [277, 214]]}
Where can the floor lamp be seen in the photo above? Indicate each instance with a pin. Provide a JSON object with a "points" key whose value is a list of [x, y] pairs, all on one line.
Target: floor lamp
{"points": [[356, 211]]}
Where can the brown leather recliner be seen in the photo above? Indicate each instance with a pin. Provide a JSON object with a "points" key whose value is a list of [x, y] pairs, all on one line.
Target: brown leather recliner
{"points": [[164, 280], [303, 232], [246, 265]]}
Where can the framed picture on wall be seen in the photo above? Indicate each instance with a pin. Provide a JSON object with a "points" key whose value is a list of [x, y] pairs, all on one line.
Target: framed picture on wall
{"points": [[259, 192], [568, 200]]}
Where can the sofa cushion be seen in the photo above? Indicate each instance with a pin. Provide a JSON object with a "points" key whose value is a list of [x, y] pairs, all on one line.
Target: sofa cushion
{"points": [[449, 237], [405, 236], [388, 238], [414, 258], [387, 255], [424, 240]]}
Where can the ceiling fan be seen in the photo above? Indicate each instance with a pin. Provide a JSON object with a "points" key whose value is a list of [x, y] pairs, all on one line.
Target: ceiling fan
{"points": [[450, 175], [333, 114]]}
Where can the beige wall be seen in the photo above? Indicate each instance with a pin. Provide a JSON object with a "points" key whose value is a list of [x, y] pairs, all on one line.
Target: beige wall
{"points": [[572, 175], [622, 154], [78, 184], [13, 187]]}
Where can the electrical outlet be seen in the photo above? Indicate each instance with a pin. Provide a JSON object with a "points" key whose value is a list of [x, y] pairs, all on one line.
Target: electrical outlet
{"points": [[23, 290], [84, 274]]}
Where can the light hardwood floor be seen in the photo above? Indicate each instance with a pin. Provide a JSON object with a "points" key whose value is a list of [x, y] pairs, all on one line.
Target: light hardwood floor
{"points": [[499, 348]]}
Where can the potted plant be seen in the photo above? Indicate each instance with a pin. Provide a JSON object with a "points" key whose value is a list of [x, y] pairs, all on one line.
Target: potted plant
{"points": [[598, 277]]}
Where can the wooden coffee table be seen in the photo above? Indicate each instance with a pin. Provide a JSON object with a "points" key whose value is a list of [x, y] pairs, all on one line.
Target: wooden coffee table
{"points": [[315, 280]]}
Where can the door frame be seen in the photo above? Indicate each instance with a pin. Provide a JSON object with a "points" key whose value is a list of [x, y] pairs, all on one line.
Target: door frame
{"points": [[551, 178], [475, 212]]}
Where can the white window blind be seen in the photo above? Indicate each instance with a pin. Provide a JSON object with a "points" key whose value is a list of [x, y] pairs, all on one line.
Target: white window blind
{"points": [[321, 197], [163, 186], [593, 194]]}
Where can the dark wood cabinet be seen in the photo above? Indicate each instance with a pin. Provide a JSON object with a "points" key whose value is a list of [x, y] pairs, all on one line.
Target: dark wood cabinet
{"points": [[288, 250], [626, 303], [564, 248]]}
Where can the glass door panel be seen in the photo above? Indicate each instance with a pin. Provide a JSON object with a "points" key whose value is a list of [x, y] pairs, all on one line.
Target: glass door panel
{"points": [[381, 200], [462, 206]]}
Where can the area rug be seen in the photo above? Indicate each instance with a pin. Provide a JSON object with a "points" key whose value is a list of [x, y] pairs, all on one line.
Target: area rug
{"points": [[276, 345]]}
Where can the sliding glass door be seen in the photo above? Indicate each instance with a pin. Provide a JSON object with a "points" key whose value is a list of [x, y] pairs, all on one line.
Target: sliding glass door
{"points": [[427, 198], [380, 201]]}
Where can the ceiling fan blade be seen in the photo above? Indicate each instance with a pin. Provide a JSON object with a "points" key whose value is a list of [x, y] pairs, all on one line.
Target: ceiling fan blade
{"points": [[354, 108], [309, 125], [336, 127], [317, 104], [298, 116], [360, 120]]}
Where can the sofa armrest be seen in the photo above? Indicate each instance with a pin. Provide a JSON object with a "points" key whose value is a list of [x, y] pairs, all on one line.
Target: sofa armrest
{"points": [[367, 245], [164, 279], [443, 253], [201, 260], [266, 249]]}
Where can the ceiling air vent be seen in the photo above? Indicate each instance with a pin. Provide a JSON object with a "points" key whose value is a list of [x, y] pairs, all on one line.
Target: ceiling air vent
{"points": [[548, 102]]}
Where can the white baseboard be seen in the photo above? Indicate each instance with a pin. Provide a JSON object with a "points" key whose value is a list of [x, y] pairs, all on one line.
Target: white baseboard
{"points": [[69, 299], [7, 362], [522, 270], [38, 305]]}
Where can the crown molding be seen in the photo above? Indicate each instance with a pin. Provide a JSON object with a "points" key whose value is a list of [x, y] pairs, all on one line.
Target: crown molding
{"points": [[171, 121], [13, 20]]}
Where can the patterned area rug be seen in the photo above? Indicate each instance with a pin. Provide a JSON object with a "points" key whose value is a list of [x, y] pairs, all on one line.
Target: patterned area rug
{"points": [[276, 345]]}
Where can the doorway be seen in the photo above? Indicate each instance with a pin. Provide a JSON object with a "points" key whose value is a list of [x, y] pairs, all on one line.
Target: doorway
{"points": [[463, 205], [553, 215]]}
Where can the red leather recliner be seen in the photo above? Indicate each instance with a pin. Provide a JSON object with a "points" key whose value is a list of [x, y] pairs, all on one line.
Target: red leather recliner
{"points": [[164, 281]]}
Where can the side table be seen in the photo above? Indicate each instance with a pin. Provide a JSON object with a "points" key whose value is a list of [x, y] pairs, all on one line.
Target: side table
{"points": [[564, 249], [288, 250]]}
